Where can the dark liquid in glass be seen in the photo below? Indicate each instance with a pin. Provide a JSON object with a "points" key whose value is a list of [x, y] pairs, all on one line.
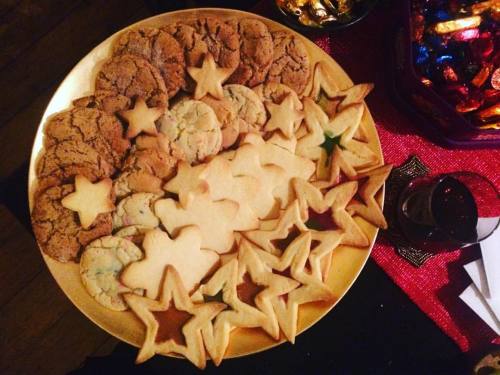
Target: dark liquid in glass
{"points": [[439, 214]]}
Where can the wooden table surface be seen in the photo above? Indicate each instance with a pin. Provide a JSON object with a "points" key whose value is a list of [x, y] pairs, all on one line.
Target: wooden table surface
{"points": [[40, 330]]}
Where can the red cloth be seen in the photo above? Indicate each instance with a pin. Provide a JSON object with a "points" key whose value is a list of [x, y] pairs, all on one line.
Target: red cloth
{"points": [[363, 51]]}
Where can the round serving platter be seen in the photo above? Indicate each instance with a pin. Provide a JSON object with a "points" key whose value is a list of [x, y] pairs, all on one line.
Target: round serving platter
{"points": [[347, 262]]}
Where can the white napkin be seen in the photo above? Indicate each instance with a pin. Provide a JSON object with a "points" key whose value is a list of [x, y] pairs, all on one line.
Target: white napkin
{"points": [[490, 250], [483, 295], [474, 299], [477, 273]]}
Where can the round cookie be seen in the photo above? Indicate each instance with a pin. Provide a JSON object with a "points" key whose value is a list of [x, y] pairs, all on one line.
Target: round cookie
{"points": [[190, 41], [66, 159], [249, 108], [256, 52], [222, 41], [125, 77], [276, 93], [291, 64], [136, 209], [193, 127], [94, 127], [161, 49], [58, 229], [100, 267]]}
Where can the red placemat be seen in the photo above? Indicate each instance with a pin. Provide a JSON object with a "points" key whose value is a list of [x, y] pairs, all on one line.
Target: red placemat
{"points": [[363, 51]]}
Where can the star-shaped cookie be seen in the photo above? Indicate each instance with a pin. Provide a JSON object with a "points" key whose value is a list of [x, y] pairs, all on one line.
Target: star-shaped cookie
{"points": [[141, 118], [335, 199], [329, 168], [345, 122], [173, 299], [273, 285], [239, 314], [283, 116], [315, 120], [322, 82], [89, 200], [369, 209], [320, 258], [264, 238], [209, 78], [294, 260], [184, 253]]}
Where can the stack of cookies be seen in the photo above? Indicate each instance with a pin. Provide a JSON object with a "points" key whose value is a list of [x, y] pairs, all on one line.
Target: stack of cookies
{"points": [[207, 181]]}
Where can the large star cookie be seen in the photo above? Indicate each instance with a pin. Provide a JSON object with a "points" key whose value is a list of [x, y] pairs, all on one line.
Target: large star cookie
{"points": [[209, 78]]}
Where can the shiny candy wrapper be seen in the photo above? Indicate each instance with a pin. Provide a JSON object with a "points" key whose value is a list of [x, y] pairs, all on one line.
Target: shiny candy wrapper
{"points": [[495, 79], [457, 24]]}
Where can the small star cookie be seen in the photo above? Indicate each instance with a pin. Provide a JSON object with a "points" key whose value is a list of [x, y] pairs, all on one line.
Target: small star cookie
{"points": [[141, 118], [209, 78], [284, 116], [184, 253], [89, 200], [174, 301]]}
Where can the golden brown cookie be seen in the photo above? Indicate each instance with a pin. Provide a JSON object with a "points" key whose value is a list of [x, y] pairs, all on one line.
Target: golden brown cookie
{"points": [[161, 49], [66, 159], [256, 52], [58, 229], [222, 40], [94, 127], [291, 63], [125, 77], [190, 40]]}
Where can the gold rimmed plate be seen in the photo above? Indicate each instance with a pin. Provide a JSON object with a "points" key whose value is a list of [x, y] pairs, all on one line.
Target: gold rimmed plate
{"points": [[347, 262]]}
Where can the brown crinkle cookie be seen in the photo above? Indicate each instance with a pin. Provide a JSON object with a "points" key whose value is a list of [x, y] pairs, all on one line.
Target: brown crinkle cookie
{"points": [[222, 41], [96, 128], [256, 52], [151, 163], [64, 160], [58, 229], [125, 77], [190, 41], [161, 49], [291, 64]]}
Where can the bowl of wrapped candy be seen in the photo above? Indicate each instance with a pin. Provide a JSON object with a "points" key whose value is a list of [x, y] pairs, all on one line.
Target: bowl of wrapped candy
{"points": [[322, 15], [448, 69]]}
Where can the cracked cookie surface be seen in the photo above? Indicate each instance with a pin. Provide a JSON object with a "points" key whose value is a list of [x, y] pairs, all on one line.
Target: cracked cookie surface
{"points": [[249, 108], [64, 160], [58, 229], [256, 52], [125, 77], [291, 64], [96, 128], [161, 49], [100, 267]]}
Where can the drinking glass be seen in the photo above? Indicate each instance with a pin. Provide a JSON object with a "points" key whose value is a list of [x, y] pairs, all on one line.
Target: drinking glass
{"points": [[448, 211]]}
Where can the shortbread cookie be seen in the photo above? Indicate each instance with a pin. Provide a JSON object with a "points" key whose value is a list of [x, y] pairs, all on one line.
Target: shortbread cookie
{"points": [[209, 78], [89, 200], [184, 338], [100, 266], [64, 160], [96, 128], [290, 64], [125, 77], [256, 52], [183, 253], [58, 230], [284, 116], [222, 40], [250, 110], [193, 127], [161, 49], [136, 209], [141, 118]]}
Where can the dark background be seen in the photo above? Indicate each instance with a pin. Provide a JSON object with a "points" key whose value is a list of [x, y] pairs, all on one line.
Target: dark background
{"points": [[375, 329]]}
